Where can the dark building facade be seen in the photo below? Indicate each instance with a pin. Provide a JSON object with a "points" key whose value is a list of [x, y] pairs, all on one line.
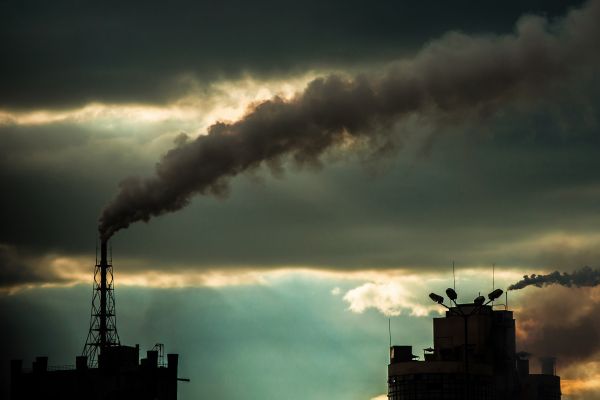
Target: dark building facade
{"points": [[120, 375], [472, 358]]}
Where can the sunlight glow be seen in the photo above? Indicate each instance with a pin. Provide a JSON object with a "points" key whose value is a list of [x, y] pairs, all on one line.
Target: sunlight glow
{"points": [[581, 380], [220, 101]]}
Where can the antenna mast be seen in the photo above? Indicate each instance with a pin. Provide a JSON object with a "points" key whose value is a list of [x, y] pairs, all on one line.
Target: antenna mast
{"points": [[390, 329], [103, 322], [493, 279], [453, 275], [390, 333]]}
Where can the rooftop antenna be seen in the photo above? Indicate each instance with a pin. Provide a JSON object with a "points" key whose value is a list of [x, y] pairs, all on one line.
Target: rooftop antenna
{"points": [[390, 333], [493, 279], [390, 329], [454, 274]]}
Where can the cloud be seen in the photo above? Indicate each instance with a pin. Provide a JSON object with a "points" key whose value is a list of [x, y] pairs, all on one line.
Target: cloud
{"points": [[341, 218], [76, 54], [551, 249], [22, 271], [488, 192], [581, 381], [218, 101], [19, 269], [391, 299], [395, 293]]}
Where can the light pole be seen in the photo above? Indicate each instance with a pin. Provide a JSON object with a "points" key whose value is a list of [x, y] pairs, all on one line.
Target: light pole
{"points": [[478, 303]]}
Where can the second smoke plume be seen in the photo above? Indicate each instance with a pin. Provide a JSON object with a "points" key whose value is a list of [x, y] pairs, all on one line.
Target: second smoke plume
{"points": [[585, 276]]}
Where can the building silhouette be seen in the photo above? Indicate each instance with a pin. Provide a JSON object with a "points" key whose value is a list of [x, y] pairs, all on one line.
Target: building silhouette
{"points": [[120, 374], [473, 357], [106, 369]]}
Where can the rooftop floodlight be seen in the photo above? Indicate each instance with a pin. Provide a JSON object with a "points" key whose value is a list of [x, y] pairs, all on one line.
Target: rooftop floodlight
{"points": [[451, 294], [437, 298], [479, 300], [495, 294]]}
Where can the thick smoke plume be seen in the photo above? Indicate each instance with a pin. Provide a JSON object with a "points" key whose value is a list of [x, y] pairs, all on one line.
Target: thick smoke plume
{"points": [[451, 79], [563, 323], [585, 276]]}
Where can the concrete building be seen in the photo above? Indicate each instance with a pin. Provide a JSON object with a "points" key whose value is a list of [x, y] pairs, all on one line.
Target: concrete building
{"points": [[473, 357], [120, 375]]}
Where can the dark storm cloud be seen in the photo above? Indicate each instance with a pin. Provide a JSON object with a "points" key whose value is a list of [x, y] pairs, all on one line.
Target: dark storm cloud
{"points": [[18, 269], [465, 200], [25, 145], [54, 178], [585, 276], [456, 77], [63, 53], [483, 188]]}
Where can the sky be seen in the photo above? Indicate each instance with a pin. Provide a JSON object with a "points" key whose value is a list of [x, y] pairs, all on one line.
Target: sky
{"points": [[279, 179]]}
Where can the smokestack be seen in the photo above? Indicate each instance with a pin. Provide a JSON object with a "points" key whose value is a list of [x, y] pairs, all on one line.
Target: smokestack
{"points": [[104, 252]]}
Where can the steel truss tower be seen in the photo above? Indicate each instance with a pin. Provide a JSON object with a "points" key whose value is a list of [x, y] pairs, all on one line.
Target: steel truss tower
{"points": [[103, 321]]}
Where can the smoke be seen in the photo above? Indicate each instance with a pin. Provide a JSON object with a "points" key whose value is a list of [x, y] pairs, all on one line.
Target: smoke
{"points": [[585, 276], [562, 323], [451, 79]]}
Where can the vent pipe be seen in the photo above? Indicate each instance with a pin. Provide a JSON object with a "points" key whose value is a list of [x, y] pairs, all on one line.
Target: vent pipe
{"points": [[548, 365]]}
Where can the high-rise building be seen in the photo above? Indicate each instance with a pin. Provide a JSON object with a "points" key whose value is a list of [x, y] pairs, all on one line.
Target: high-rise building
{"points": [[473, 358]]}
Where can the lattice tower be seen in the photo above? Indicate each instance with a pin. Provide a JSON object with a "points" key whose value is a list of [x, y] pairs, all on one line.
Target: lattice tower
{"points": [[103, 321]]}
